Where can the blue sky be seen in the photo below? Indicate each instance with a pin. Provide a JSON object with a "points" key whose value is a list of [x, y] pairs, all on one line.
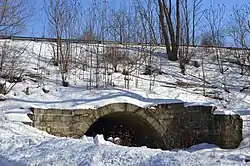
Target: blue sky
{"points": [[228, 3], [37, 25]]}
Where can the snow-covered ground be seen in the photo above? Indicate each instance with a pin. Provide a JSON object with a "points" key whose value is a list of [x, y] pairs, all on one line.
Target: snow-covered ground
{"points": [[21, 144]]}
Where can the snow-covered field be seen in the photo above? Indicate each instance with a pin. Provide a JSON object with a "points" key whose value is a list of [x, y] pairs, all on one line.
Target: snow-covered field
{"points": [[23, 145]]}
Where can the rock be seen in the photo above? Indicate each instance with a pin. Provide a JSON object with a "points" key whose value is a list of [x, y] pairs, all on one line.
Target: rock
{"points": [[3, 88], [117, 140], [45, 89], [149, 70], [196, 64], [2, 97], [65, 84], [99, 139], [27, 91], [110, 139]]}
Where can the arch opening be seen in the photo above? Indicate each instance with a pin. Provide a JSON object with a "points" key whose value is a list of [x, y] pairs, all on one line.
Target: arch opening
{"points": [[132, 130]]}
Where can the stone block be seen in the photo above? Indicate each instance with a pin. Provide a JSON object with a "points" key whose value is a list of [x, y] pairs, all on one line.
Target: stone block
{"points": [[66, 112], [38, 111], [131, 108], [95, 114], [105, 110], [76, 119], [66, 118], [48, 129], [38, 117], [80, 112], [49, 118]]}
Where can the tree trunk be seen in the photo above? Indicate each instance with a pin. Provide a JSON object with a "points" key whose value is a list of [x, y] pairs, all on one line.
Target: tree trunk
{"points": [[165, 12], [163, 28]]}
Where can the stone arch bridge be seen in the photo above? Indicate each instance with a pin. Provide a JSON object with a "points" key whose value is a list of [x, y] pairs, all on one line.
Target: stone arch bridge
{"points": [[164, 126]]}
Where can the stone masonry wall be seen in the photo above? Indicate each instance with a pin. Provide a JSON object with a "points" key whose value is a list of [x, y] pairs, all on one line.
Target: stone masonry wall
{"points": [[176, 126]]}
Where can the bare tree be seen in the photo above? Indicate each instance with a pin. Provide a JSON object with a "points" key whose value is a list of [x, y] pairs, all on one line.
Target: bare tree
{"points": [[62, 18], [170, 33], [184, 56], [117, 24], [239, 32], [148, 34], [186, 17], [114, 56], [12, 67], [197, 14], [14, 16], [215, 32], [146, 11], [206, 40], [214, 19]]}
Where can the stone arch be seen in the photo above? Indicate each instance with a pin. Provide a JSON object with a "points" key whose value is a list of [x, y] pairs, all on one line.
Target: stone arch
{"points": [[172, 125], [133, 119]]}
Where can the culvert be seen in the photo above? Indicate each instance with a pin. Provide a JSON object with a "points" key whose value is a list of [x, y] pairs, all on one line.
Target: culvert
{"points": [[167, 126], [129, 127]]}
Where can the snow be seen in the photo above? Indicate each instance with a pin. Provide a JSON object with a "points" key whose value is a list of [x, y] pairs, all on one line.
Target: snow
{"points": [[189, 104], [18, 110], [72, 99], [18, 117], [99, 139], [24, 145], [77, 97]]}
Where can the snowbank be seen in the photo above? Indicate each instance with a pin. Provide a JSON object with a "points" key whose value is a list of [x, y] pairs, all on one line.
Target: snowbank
{"points": [[18, 117], [24, 145]]}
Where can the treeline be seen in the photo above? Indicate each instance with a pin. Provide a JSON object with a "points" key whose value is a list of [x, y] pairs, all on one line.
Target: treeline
{"points": [[169, 22]]}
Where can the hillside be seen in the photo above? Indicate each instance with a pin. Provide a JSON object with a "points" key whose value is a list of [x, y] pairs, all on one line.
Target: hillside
{"points": [[92, 85], [229, 91]]}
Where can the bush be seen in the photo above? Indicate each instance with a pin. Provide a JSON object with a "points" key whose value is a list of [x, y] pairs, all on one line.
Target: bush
{"points": [[113, 56], [149, 70], [11, 66], [207, 40]]}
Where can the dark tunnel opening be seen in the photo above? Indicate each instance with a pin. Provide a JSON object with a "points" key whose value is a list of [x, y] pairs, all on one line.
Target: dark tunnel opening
{"points": [[131, 129]]}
